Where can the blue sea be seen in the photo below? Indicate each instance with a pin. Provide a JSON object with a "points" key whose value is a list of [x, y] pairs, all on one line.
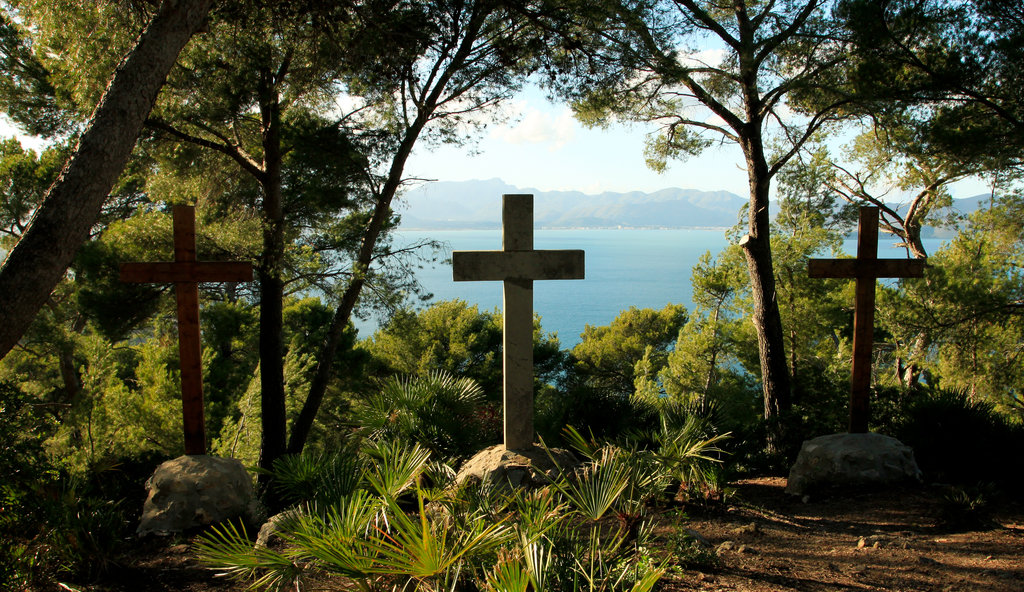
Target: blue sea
{"points": [[645, 268]]}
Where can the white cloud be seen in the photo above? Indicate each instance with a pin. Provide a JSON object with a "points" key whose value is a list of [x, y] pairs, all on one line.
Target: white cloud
{"points": [[7, 130], [705, 57], [539, 127], [716, 119]]}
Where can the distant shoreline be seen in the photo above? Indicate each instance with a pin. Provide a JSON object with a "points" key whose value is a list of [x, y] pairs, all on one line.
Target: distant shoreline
{"points": [[498, 227]]}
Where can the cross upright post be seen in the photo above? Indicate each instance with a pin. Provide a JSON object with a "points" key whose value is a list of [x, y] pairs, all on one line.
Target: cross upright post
{"points": [[866, 268], [185, 272], [517, 265]]}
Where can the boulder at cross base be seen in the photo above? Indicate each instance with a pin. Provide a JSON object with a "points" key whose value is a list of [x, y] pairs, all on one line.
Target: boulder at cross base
{"points": [[517, 469], [852, 460], [196, 490]]}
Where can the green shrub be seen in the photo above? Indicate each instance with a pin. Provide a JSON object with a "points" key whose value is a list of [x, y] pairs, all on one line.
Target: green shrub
{"points": [[316, 477], [688, 552], [967, 508], [556, 539], [53, 524], [84, 533], [23, 462], [17, 564], [438, 411], [602, 413], [962, 441]]}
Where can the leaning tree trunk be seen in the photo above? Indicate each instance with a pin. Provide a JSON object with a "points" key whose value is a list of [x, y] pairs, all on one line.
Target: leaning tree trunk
{"points": [[328, 350], [381, 213], [72, 205]]}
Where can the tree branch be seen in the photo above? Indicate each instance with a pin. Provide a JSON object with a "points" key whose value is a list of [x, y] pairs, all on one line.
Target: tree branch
{"points": [[232, 151]]}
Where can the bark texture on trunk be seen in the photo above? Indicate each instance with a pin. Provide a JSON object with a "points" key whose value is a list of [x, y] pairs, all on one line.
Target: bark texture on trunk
{"points": [[775, 379], [271, 283], [73, 203], [768, 324]]}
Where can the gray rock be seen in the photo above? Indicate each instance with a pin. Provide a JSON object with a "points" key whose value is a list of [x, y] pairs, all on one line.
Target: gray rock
{"points": [[750, 529], [269, 535], [852, 459], [196, 490], [697, 538], [517, 469], [874, 541]]}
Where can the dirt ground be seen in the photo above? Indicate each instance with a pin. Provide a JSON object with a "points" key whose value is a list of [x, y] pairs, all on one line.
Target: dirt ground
{"points": [[765, 541], [855, 541]]}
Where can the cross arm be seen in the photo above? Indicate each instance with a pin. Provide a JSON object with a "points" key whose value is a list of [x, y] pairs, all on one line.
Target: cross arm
{"points": [[853, 268], [512, 265], [187, 271]]}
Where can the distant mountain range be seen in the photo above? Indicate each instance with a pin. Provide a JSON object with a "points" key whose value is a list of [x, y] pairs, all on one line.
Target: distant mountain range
{"points": [[461, 205], [453, 205]]}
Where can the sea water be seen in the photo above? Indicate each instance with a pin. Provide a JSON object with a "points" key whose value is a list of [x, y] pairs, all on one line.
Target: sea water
{"points": [[645, 268]]}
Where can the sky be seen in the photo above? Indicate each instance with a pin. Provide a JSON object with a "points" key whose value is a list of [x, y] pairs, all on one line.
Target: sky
{"points": [[543, 147]]}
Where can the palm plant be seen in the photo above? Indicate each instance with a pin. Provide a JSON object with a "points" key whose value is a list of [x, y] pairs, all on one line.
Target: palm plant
{"points": [[230, 551], [436, 410], [393, 467], [685, 445], [316, 477], [539, 511], [401, 525], [688, 451], [427, 554], [365, 535], [333, 540], [598, 485], [645, 474], [574, 549]]}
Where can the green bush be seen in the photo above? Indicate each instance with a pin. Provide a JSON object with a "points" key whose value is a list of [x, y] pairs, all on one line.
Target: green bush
{"points": [[962, 441], [598, 411], [23, 462], [316, 477], [53, 524], [556, 539], [691, 553], [63, 530], [84, 533], [967, 508], [437, 410]]}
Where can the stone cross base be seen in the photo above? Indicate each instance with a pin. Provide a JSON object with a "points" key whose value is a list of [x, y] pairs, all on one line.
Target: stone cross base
{"points": [[852, 460], [528, 468]]}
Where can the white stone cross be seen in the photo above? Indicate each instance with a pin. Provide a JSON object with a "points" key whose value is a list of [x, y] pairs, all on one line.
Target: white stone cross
{"points": [[517, 265]]}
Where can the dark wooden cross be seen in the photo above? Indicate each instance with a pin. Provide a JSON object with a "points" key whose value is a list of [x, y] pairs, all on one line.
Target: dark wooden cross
{"points": [[186, 273], [517, 265], [866, 268]]}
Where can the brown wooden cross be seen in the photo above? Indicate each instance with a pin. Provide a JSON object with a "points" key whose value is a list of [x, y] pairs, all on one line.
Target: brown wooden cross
{"points": [[866, 268], [517, 265], [186, 273]]}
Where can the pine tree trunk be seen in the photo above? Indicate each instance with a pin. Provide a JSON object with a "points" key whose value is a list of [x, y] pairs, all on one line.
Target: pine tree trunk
{"points": [[775, 379], [73, 203], [271, 285]]}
